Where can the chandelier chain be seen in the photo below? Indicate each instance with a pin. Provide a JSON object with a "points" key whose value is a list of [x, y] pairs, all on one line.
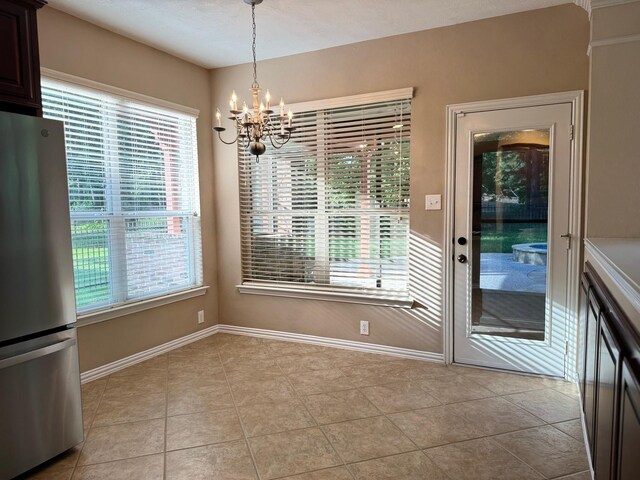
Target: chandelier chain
{"points": [[255, 83]]}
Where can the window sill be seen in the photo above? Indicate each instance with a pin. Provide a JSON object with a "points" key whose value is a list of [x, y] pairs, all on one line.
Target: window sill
{"points": [[315, 293], [96, 316]]}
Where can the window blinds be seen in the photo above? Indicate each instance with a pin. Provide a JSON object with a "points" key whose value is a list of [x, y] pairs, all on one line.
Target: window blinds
{"points": [[331, 208], [133, 193]]}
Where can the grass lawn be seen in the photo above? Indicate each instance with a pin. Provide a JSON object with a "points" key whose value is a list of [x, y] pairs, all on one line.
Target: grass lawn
{"points": [[493, 241], [91, 272]]}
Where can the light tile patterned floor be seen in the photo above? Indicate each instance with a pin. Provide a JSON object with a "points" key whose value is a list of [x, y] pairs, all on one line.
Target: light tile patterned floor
{"points": [[235, 408]]}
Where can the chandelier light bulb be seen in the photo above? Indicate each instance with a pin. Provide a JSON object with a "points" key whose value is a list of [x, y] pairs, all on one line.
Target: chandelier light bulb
{"points": [[267, 99], [218, 118]]}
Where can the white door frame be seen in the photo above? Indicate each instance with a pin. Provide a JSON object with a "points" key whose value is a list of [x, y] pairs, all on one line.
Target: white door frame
{"points": [[576, 99]]}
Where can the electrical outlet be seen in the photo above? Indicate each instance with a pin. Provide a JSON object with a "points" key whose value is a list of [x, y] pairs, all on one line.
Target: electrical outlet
{"points": [[433, 202], [364, 327], [201, 316]]}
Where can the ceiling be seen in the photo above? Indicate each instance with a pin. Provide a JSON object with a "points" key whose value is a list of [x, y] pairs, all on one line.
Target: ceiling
{"points": [[217, 33]]}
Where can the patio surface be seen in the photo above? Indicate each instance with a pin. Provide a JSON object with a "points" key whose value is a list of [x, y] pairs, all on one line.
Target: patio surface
{"points": [[498, 271]]}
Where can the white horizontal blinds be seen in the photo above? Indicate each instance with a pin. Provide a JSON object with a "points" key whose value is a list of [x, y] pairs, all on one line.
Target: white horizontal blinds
{"points": [[331, 208], [133, 192]]}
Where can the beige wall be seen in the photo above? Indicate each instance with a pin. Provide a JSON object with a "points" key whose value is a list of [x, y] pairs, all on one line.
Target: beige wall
{"points": [[530, 53], [73, 46], [612, 194]]}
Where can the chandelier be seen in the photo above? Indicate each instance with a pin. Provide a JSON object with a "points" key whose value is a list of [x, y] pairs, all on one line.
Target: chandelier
{"points": [[254, 125]]}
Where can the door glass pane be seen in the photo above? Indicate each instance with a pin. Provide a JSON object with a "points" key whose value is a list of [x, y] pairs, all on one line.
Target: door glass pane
{"points": [[509, 237]]}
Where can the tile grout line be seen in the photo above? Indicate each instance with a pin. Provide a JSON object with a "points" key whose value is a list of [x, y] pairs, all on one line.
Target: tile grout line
{"points": [[516, 456], [166, 421], [235, 406], [304, 405], [318, 426], [526, 409], [86, 436], [525, 462], [382, 414], [300, 399], [105, 462]]}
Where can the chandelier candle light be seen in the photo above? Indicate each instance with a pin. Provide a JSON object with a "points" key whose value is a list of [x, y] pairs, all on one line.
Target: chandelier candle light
{"points": [[259, 122]]}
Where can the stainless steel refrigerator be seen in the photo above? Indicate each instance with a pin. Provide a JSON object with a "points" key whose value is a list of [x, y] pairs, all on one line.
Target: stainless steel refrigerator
{"points": [[40, 409]]}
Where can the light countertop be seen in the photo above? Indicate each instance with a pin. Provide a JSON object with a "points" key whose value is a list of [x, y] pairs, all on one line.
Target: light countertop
{"points": [[619, 260]]}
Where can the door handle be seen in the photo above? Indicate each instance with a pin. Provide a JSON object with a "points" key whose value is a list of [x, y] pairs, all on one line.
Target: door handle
{"points": [[40, 352], [462, 258]]}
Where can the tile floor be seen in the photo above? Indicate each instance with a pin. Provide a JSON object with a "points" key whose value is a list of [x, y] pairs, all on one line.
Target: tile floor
{"points": [[235, 408]]}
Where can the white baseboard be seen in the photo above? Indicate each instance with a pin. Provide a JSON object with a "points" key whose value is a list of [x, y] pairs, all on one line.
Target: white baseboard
{"points": [[333, 342], [113, 367]]}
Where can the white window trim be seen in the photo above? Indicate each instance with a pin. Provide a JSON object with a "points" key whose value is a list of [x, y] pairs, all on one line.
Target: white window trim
{"points": [[352, 100], [326, 294], [115, 91], [321, 292], [121, 310], [102, 313]]}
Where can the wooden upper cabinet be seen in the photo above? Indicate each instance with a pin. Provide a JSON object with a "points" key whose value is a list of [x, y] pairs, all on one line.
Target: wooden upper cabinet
{"points": [[19, 57]]}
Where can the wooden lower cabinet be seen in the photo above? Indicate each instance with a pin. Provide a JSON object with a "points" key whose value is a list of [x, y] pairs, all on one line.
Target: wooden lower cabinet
{"points": [[628, 458], [591, 353], [608, 378], [610, 384]]}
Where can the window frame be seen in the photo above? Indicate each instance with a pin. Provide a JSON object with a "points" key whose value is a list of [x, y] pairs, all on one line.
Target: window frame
{"points": [[328, 292], [121, 306]]}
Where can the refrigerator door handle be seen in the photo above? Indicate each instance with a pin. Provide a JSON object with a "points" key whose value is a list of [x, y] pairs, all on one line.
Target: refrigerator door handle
{"points": [[40, 352]]}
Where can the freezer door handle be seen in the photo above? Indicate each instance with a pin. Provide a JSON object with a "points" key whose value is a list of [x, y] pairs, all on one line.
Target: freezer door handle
{"points": [[40, 352]]}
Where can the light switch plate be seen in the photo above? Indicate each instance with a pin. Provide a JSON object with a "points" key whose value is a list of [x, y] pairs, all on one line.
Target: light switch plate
{"points": [[433, 202]]}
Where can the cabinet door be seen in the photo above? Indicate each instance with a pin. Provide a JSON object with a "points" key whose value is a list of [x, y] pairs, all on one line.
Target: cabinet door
{"points": [[582, 332], [628, 467], [608, 375], [19, 62], [590, 364]]}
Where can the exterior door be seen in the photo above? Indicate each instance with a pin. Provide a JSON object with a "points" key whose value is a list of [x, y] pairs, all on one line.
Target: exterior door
{"points": [[512, 201]]}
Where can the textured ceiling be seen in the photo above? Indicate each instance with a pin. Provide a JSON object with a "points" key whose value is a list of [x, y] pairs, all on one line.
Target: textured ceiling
{"points": [[216, 33]]}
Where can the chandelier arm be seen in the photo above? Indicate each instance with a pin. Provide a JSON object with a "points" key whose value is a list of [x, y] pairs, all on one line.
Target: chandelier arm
{"points": [[278, 145], [287, 139], [275, 144], [228, 143], [268, 129]]}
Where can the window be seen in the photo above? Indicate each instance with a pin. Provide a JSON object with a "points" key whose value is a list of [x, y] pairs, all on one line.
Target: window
{"points": [[330, 210], [133, 193]]}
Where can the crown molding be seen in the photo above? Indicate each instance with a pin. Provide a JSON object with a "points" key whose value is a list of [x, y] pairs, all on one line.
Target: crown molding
{"points": [[590, 5], [605, 3], [586, 4]]}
